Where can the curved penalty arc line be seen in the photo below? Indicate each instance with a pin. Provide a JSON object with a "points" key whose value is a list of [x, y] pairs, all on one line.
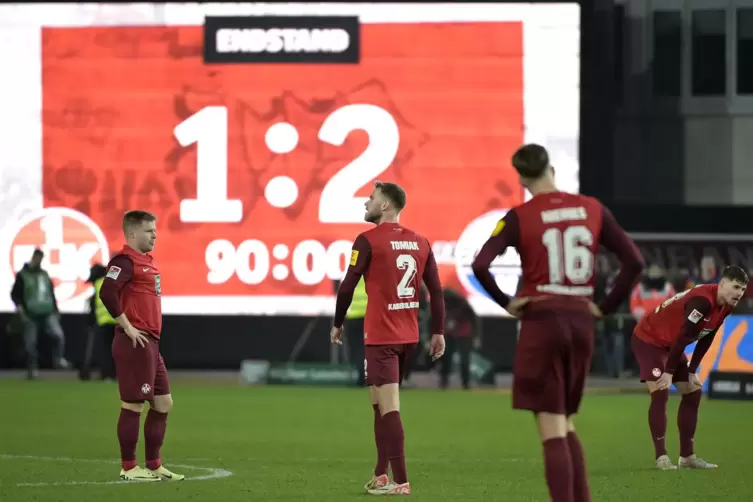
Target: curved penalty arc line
{"points": [[209, 473]]}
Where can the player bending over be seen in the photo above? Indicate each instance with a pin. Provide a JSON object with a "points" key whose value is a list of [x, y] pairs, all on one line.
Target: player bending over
{"points": [[659, 343], [131, 293], [393, 260], [557, 236]]}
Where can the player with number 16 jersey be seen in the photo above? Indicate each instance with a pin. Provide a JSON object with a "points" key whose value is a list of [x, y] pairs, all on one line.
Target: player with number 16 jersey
{"points": [[557, 235], [393, 260]]}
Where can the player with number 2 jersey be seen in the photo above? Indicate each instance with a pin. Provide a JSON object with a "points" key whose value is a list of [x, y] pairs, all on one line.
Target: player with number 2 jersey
{"points": [[393, 260], [557, 236]]}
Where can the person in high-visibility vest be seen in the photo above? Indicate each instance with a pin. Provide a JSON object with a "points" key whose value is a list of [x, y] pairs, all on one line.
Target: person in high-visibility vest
{"points": [[354, 330], [101, 333]]}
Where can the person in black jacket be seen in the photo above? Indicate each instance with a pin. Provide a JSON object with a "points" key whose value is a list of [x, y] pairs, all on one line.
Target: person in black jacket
{"points": [[462, 327]]}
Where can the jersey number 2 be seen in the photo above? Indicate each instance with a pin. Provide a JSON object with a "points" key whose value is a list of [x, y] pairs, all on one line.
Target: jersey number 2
{"points": [[408, 263], [569, 254]]}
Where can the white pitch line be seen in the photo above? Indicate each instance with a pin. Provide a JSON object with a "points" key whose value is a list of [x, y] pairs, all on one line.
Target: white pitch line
{"points": [[210, 472]]}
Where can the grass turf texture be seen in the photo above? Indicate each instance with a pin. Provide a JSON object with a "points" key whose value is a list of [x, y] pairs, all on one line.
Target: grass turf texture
{"points": [[287, 443]]}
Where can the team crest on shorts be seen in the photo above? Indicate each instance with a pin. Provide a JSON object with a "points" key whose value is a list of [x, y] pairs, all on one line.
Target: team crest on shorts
{"points": [[146, 388], [656, 372]]}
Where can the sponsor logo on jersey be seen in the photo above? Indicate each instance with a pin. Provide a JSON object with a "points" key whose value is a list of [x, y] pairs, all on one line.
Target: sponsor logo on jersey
{"points": [[281, 39], [505, 269], [695, 316], [113, 272], [353, 258]]}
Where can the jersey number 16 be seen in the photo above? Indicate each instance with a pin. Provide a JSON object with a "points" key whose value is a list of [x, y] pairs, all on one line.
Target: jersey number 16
{"points": [[569, 254]]}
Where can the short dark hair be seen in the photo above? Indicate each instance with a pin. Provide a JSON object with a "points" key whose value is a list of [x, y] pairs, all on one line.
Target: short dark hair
{"points": [[531, 160], [38, 252], [137, 217], [735, 273], [393, 192]]}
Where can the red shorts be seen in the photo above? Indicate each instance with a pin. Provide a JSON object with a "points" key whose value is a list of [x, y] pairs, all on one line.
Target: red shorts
{"points": [[384, 364], [553, 357], [140, 371], [652, 360]]}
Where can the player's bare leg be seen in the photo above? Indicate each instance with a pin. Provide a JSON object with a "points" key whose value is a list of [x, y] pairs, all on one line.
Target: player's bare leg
{"points": [[558, 465], [154, 435], [687, 419], [580, 477], [657, 423], [128, 437], [379, 478], [388, 398]]}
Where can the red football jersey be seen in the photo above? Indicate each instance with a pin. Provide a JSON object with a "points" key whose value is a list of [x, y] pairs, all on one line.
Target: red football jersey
{"points": [[392, 260], [558, 242], [557, 236], [133, 286], [693, 314]]}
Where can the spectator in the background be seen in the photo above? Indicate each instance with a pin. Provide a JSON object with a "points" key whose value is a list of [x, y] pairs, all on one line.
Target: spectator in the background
{"points": [[101, 331], [34, 296], [708, 272], [354, 327], [611, 328], [462, 328], [653, 290]]}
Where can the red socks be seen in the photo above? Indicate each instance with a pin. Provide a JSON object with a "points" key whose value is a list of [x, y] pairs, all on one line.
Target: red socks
{"points": [[657, 420], [383, 460], [394, 442], [687, 419], [154, 434], [558, 468], [128, 436], [580, 477]]}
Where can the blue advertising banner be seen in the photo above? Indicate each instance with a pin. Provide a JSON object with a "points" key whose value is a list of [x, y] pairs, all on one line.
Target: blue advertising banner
{"points": [[732, 350]]}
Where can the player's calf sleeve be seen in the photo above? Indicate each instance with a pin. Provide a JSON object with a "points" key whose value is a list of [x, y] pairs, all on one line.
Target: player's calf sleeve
{"points": [[394, 439], [558, 469], [154, 435], [128, 437], [687, 419], [657, 420], [382, 460], [580, 476]]}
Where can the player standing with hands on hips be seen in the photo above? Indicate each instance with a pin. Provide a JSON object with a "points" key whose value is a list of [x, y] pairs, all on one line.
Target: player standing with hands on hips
{"points": [[557, 236], [659, 343], [393, 260], [131, 292]]}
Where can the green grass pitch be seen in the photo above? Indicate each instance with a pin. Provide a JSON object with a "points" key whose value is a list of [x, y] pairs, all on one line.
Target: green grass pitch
{"points": [[286, 443]]}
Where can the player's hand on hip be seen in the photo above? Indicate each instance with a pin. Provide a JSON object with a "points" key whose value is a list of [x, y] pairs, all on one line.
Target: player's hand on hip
{"points": [[695, 382], [516, 306], [664, 381], [137, 336], [336, 335], [595, 310], [436, 347]]}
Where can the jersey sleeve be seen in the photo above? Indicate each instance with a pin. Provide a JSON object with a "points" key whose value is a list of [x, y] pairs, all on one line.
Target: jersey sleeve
{"points": [[360, 257], [614, 238], [505, 234], [436, 298], [695, 310], [119, 273]]}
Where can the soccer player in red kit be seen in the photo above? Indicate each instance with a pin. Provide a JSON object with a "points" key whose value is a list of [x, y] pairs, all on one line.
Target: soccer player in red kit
{"points": [[557, 236], [131, 292], [659, 343], [393, 260]]}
